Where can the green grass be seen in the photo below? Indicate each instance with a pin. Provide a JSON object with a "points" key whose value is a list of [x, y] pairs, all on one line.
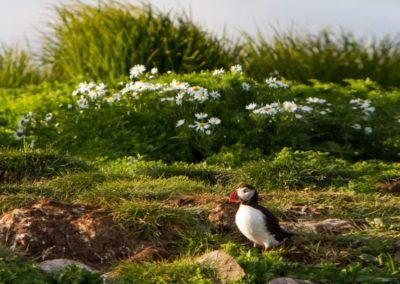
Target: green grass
{"points": [[327, 56], [147, 205], [104, 42], [18, 67], [17, 166]]}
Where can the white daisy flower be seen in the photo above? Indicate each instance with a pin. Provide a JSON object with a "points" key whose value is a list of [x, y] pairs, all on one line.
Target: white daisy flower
{"points": [[201, 96], [154, 70], [313, 100], [369, 109], [85, 87], [215, 95], [251, 106], [298, 116], [83, 103], [267, 109], [368, 130], [176, 85], [48, 117], [180, 123], [208, 132], [200, 126], [214, 121], [200, 115], [69, 106], [271, 80], [96, 93], [357, 126], [306, 108], [323, 112], [136, 71], [179, 98], [236, 68], [245, 86], [289, 106], [217, 72]]}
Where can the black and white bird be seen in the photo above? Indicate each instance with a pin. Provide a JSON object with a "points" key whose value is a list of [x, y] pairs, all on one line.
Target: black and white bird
{"points": [[255, 222]]}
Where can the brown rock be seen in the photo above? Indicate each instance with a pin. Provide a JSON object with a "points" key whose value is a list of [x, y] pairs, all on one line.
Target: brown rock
{"points": [[287, 280], [227, 267], [55, 230]]}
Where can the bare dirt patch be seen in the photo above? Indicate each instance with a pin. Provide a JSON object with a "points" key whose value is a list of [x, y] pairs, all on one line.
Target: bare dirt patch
{"points": [[391, 186], [51, 230]]}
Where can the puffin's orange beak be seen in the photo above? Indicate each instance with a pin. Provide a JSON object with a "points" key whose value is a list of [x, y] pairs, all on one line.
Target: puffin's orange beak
{"points": [[233, 197]]}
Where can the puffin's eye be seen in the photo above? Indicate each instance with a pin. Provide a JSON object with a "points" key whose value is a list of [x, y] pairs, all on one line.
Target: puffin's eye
{"points": [[245, 190]]}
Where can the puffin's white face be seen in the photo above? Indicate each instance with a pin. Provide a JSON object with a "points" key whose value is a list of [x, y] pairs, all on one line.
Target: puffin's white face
{"points": [[245, 193]]}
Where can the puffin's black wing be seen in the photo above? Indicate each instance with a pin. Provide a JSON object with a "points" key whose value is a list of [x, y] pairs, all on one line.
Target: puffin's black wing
{"points": [[272, 224]]}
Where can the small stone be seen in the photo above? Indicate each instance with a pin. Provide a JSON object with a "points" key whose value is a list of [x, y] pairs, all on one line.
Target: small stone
{"points": [[227, 267], [59, 264]]}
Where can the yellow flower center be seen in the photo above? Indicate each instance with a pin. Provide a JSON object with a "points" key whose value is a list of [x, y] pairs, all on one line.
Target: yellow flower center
{"points": [[201, 124]]}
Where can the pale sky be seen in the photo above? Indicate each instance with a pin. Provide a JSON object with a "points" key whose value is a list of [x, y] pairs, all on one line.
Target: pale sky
{"points": [[19, 19]]}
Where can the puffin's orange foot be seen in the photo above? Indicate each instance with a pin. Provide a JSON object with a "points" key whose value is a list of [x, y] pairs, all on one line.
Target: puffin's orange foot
{"points": [[266, 250]]}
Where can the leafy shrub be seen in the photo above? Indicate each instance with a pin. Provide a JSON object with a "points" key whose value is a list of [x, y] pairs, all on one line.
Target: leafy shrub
{"points": [[103, 42], [234, 156]]}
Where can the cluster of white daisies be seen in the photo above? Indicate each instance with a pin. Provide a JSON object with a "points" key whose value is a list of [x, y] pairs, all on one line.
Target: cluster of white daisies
{"points": [[290, 107]]}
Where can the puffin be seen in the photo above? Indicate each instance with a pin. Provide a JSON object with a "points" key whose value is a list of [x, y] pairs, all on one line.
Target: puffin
{"points": [[255, 222]]}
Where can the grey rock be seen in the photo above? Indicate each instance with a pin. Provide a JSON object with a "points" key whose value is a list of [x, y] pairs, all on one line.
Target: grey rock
{"points": [[59, 264], [227, 267]]}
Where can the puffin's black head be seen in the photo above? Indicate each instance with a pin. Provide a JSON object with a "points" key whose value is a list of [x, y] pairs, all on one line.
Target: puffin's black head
{"points": [[246, 194]]}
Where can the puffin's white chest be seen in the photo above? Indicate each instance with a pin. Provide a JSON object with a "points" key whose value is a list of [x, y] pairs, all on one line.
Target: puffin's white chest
{"points": [[251, 223]]}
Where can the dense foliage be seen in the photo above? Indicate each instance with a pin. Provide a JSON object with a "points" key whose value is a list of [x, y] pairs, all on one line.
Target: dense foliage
{"points": [[195, 116]]}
